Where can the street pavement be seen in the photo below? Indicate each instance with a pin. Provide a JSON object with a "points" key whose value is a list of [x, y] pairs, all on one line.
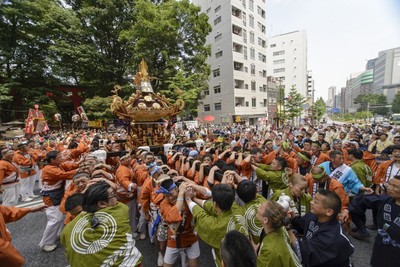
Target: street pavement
{"points": [[28, 231]]}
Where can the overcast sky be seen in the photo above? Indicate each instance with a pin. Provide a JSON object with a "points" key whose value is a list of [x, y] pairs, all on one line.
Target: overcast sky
{"points": [[341, 34]]}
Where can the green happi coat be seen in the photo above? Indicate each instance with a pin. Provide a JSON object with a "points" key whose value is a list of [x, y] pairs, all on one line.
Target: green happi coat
{"points": [[249, 210], [275, 250], [304, 202], [109, 244], [363, 172], [276, 179], [211, 227]]}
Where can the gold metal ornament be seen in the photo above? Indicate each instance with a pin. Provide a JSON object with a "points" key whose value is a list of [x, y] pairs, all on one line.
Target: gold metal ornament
{"points": [[155, 115], [148, 98]]}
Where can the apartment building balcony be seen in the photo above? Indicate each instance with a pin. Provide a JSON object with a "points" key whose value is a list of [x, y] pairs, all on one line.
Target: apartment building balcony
{"points": [[236, 12], [238, 66], [236, 30], [239, 84], [238, 48], [240, 102]]}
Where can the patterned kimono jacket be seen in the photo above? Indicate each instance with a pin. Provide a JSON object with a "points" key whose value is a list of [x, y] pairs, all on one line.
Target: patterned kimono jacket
{"points": [[109, 244], [275, 250], [212, 227]]}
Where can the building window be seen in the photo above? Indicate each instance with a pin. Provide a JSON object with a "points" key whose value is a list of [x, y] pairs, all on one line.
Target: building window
{"points": [[261, 42], [246, 86], [207, 107], [253, 70], [260, 11], [206, 92], [217, 20], [218, 8], [251, 21], [246, 69], [279, 61], [279, 70], [217, 89], [272, 45], [251, 5], [252, 53], [244, 18], [216, 72], [253, 102], [218, 37], [217, 106], [252, 37], [208, 10], [278, 53], [247, 103], [244, 36], [253, 86], [218, 54], [260, 88], [245, 52], [244, 4], [262, 57]]}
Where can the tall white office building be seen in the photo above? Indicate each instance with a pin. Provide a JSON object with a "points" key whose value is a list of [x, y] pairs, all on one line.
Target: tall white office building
{"points": [[287, 60], [387, 73], [331, 97], [238, 83]]}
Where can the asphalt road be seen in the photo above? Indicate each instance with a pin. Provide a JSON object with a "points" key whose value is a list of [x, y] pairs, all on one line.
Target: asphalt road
{"points": [[28, 231]]}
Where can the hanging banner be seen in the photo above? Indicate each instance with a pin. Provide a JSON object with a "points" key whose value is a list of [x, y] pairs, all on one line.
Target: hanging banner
{"points": [[82, 113]]}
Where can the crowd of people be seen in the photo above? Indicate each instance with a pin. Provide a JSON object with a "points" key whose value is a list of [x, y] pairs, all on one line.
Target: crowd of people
{"points": [[258, 196]]}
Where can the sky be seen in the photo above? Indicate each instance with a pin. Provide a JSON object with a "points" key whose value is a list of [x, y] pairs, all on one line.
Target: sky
{"points": [[341, 34]]}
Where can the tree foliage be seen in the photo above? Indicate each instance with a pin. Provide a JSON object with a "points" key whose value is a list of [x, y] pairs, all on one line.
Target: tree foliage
{"points": [[396, 103], [5, 96], [98, 107], [363, 115], [294, 103], [376, 102], [96, 44], [318, 109]]}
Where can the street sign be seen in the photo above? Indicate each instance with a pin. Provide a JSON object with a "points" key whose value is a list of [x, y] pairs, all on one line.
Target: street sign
{"points": [[335, 110]]}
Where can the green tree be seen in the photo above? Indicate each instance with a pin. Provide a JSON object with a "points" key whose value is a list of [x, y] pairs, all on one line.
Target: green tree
{"points": [[177, 57], [396, 103], [280, 113], [114, 36], [294, 104], [363, 115], [96, 44], [5, 97], [376, 102], [29, 29], [49, 109], [98, 107], [318, 109]]}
